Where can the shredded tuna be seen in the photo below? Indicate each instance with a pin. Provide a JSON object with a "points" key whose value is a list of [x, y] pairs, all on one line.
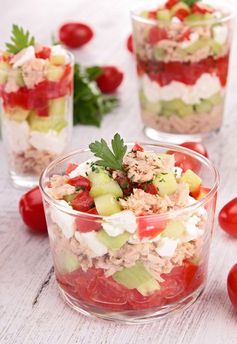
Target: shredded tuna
{"points": [[34, 72], [142, 203]]}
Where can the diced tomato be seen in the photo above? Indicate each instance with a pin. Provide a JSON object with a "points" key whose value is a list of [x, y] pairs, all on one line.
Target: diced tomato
{"points": [[156, 35], [170, 3], [44, 53], [149, 188], [184, 36], [81, 182], [203, 192], [137, 301], [201, 9], [86, 224], [137, 147], [152, 14], [181, 14], [150, 226], [222, 65], [83, 201], [71, 167]]}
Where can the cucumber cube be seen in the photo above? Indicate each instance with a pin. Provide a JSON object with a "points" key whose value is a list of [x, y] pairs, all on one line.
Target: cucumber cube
{"points": [[216, 99], [111, 187], [57, 59], [163, 15], [54, 73], [44, 124], [99, 177], [137, 277], [17, 114], [205, 106], [4, 70], [107, 205], [192, 179], [174, 230], [66, 261], [112, 243], [166, 183], [57, 107]]}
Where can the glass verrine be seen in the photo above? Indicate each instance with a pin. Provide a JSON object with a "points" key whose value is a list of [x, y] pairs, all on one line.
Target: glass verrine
{"points": [[36, 111], [89, 276], [182, 68]]}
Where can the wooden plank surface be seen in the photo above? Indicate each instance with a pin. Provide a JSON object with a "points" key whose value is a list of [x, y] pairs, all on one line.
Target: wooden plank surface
{"points": [[31, 310]]}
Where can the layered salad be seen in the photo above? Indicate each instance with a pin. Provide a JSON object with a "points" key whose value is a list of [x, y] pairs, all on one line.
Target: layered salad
{"points": [[119, 237], [36, 88], [182, 50]]}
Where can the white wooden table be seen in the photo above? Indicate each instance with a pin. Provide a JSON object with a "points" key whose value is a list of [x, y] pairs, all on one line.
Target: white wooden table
{"points": [[31, 310]]}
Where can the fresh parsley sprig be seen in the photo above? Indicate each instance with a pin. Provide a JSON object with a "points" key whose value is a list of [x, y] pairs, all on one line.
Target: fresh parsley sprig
{"points": [[20, 39], [89, 104], [112, 159]]}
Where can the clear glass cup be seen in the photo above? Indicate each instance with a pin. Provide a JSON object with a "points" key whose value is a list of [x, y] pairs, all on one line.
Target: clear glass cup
{"points": [[182, 70], [36, 120], [88, 282]]}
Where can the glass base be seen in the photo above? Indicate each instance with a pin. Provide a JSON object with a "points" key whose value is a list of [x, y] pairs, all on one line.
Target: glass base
{"points": [[135, 316], [177, 138], [23, 182]]}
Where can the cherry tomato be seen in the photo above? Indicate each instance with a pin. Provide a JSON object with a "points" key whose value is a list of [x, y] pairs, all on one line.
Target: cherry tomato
{"points": [[197, 147], [83, 201], [232, 286], [156, 34], [75, 35], [150, 227], [228, 218], [181, 14], [71, 167], [86, 224], [44, 53], [81, 182], [110, 79], [185, 161], [32, 211], [130, 43]]}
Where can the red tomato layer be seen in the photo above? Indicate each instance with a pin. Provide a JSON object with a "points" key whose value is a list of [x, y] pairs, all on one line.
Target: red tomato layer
{"points": [[187, 73], [93, 287], [38, 97]]}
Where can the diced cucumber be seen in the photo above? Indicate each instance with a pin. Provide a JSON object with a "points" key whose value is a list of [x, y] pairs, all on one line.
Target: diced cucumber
{"points": [[44, 124], [17, 75], [4, 70], [193, 18], [107, 205], [216, 99], [66, 261], [180, 6], [159, 53], [176, 106], [137, 277], [57, 59], [154, 108], [192, 179], [166, 183], [17, 114], [205, 106], [100, 176], [54, 73], [112, 243], [216, 47], [163, 15], [174, 230], [111, 187], [69, 198], [57, 107]]}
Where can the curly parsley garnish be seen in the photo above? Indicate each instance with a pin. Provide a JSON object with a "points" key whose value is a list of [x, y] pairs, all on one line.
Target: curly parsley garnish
{"points": [[20, 39], [110, 158], [89, 104]]}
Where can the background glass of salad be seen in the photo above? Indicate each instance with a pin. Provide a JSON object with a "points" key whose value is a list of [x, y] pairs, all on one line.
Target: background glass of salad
{"points": [[182, 55], [131, 295], [36, 112]]}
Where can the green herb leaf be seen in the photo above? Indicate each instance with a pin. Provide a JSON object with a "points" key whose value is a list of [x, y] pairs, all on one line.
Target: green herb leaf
{"points": [[190, 2], [19, 40], [89, 104], [109, 158]]}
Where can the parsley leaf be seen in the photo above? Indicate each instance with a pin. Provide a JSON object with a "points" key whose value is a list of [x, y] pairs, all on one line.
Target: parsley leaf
{"points": [[19, 40], [89, 104], [109, 158], [190, 2]]}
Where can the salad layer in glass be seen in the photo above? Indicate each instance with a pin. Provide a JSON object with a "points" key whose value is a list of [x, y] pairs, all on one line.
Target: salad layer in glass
{"points": [[130, 232], [182, 50], [36, 91]]}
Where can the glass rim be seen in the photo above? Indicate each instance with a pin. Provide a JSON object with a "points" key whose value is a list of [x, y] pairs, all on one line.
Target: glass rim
{"points": [[232, 14], [170, 214]]}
